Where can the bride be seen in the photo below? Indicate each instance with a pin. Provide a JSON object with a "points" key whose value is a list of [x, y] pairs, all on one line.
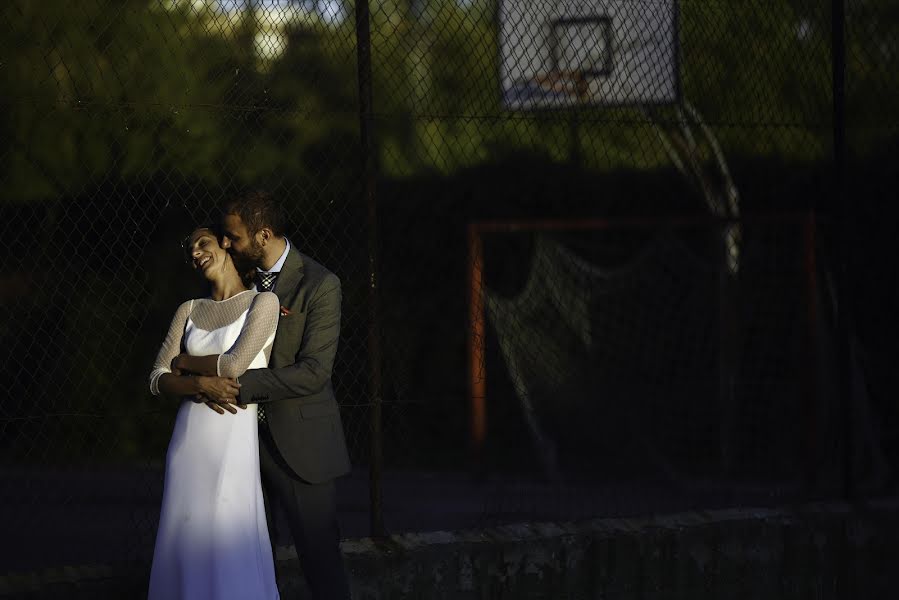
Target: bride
{"points": [[212, 540]]}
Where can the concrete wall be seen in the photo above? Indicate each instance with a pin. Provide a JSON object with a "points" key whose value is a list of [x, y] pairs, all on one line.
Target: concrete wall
{"points": [[821, 551]]}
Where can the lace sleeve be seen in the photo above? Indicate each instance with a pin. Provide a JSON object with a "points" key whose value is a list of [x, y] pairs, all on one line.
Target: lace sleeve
{"points": [[171, 346], [257, 333]]}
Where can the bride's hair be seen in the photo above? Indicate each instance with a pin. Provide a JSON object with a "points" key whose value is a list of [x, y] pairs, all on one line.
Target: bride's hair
{"points": [[246, 272]]}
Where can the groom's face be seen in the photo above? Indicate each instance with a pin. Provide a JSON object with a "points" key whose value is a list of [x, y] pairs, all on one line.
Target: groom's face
{"points": [[239, 243]]}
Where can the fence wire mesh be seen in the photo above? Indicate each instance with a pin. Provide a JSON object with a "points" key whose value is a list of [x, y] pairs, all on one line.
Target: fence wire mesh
{"points": [[571, 371]]}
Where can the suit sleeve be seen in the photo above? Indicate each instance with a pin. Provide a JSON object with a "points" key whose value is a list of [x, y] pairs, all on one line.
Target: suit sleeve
{"points": [[171, 346], [315, 358]]}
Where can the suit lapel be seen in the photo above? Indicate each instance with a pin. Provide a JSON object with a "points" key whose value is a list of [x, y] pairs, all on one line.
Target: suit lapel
{"points": [[290, 277], [286, 290]]}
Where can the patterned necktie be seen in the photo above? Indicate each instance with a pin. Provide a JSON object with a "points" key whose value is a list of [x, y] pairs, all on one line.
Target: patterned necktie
{"points": [[266, 281]]}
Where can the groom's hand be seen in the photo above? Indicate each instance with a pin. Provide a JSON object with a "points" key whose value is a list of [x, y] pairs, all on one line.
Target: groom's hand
{"points": [[220, 409], [219, 393]]}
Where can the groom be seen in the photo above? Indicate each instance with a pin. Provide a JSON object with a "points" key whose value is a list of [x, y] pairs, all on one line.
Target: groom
{"points": [[301, 440]]}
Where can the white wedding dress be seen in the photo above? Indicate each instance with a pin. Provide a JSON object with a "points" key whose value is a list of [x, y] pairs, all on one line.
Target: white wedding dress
{"points": [[213, 542]]}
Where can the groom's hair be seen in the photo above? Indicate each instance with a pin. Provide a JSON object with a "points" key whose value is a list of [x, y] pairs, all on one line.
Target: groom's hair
{"points": [[257, 209]]}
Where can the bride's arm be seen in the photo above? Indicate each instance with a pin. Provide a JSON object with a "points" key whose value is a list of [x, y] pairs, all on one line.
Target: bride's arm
{"points": [[257, 330], [164, 381]]}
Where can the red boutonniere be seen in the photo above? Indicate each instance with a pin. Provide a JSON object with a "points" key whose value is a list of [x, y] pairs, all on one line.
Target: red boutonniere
{"points": [[285, 311]]}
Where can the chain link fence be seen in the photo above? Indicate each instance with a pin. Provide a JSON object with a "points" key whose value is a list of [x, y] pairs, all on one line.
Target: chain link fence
{"points": [[598, 258]]}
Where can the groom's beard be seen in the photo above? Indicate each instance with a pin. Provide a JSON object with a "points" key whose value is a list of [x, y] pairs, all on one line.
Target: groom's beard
{"points": [[250, 259], [246, 267], [256, 254]]}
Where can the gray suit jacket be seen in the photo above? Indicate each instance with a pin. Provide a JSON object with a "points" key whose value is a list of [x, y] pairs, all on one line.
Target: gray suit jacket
{"points": [[300, 407]]}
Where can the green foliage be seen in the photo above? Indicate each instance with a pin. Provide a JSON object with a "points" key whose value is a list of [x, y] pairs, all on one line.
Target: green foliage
{"points": [[125, 89], [99, 90], [173, 96]]}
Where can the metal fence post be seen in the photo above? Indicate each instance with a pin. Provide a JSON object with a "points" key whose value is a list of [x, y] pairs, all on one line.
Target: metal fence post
{"points": [[366, 117], [811, 446], [841, 238]]}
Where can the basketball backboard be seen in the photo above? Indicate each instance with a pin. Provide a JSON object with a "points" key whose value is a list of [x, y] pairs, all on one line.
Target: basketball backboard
{"points": [[566, 53]]}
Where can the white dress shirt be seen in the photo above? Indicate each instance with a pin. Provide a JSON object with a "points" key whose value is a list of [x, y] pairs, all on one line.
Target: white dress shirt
{"points": [[276, 268]]}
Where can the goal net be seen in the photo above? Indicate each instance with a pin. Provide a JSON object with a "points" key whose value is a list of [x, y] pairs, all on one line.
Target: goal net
{"points": [[636, 350]]}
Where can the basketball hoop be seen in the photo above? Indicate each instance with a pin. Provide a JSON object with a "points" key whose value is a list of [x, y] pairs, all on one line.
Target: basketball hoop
{"points": [[560, 54]]}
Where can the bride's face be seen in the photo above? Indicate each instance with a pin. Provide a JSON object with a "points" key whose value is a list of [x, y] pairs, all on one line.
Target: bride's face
{"points": [[207, 257]]}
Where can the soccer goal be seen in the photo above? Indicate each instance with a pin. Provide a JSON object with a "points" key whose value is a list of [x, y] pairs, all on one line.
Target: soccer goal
{"points": [[632, 343]]}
